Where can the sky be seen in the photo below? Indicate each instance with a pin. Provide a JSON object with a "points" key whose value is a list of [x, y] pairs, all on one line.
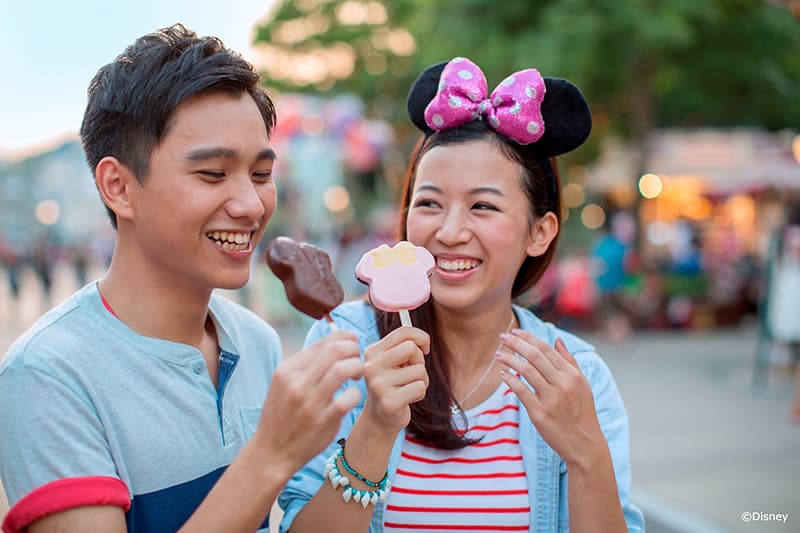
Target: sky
{"points": [[51, 49]]}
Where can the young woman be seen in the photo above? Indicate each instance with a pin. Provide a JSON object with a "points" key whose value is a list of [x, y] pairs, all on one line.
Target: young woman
{"points": [[481, 417]]}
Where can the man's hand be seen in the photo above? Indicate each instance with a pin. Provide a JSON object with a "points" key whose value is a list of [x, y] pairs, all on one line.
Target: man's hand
{"points": [[300, 417]]}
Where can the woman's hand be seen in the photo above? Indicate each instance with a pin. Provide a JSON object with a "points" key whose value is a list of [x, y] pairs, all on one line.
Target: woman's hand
{"points": [[560, 405], [394, 370]]}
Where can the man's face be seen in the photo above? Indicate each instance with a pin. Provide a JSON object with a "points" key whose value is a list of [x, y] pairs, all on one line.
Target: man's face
{"points": [[200, 212]]}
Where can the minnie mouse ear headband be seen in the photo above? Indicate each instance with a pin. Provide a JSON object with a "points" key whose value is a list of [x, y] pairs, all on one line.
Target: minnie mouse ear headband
{"points": [[549, 113]]}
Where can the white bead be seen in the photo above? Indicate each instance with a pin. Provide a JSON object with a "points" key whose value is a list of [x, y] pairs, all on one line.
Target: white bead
{"points": [[374, 498], [357, 496], [344, 481], [332, 474], [383, 495], [347, 494], [364, 501]]}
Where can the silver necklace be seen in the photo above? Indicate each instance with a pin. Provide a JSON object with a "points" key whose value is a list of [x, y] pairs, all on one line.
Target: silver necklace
{"points": [[455, 408]]}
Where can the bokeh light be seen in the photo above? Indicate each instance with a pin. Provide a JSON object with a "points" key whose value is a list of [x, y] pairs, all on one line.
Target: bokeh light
{"points": [[48, 212], [336, 199], [573, 195], [593, 216], [650, 186]]}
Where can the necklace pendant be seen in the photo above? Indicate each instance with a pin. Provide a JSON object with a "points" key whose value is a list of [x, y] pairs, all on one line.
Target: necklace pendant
{"points": [[455, 410]]}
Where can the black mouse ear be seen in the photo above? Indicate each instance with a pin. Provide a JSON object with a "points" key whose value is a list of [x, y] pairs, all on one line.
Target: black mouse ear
{"points": [[421, 93], [567, 118]]}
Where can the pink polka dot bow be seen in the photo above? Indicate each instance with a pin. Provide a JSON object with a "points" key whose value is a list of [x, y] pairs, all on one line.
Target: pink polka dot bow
{"points": [[514, 108]]}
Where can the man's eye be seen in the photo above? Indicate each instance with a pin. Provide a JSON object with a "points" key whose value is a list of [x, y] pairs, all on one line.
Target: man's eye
{"points": [[212, 174], [262, 176]]}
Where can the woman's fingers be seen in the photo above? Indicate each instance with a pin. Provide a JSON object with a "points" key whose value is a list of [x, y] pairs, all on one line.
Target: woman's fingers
{"points": [[523, 369], [561, 348], [523, 391], [547, 369], [403, 334], [532, 354], [552, 355], [395, 373]]}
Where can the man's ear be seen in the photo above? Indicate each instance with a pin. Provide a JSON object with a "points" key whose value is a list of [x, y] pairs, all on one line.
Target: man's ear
{"points": [[114, 182], [544, 231]]}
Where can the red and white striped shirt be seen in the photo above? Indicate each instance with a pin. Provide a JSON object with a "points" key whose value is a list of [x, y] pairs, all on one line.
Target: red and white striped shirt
{"points": [[479, 488]]}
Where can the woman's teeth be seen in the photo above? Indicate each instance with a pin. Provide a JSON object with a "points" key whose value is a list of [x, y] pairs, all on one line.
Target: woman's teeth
{"points": [[457, 265], [229, 240]]}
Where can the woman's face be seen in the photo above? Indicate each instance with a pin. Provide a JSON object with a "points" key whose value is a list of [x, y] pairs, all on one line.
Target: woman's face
{"points": [[469, 210]]}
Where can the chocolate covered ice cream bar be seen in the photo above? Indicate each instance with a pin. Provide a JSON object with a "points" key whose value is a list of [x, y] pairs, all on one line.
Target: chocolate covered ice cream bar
{"points": [[307, 276]]}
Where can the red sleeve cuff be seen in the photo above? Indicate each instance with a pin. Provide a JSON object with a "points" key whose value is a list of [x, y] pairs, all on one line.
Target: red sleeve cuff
{"points": [[65, 494]]}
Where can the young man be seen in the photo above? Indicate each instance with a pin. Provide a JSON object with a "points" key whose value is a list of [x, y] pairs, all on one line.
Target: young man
{"points": [[139, 403]]}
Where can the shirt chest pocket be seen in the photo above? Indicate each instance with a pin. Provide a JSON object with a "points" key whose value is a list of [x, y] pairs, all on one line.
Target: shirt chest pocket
{"points": [[250, 416]]}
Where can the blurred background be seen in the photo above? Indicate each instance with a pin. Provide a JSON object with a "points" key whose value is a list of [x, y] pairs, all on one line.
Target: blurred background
{"points": [[679, 257]]}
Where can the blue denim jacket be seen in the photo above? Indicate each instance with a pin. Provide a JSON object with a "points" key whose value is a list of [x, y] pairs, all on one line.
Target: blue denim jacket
{"points": [[546, 472]]}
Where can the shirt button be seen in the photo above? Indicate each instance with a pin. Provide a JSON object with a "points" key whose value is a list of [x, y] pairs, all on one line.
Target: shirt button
{"points": [[198, 367]]}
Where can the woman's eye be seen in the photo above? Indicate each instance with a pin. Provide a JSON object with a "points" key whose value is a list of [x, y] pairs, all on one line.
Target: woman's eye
{"points": [[262, 176], [482, 206], [426, 203]]}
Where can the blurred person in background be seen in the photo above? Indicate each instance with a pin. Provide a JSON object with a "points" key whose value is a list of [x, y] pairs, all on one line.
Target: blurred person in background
{"points": [[79, 257], [612, 258], [136, 405], [12, 264], [783, 298], [43, 261], [576, 296], [451, 419]]}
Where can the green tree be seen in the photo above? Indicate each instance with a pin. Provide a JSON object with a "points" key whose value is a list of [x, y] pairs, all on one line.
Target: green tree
{"points": [[366, 48], [641, 63]]}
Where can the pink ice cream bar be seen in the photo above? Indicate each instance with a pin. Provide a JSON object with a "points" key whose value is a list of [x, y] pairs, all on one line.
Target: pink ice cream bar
{"points": [[397, 276]]}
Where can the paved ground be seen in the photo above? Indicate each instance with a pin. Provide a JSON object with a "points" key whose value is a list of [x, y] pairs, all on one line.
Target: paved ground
{"points": [[706, 446]]}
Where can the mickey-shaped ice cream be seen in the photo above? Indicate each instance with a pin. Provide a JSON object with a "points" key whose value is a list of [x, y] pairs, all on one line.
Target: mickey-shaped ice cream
{"points": [[397, 277], [307, 276]]}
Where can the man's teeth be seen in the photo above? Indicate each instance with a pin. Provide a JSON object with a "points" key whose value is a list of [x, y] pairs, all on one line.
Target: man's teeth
{"points": [[457, 265], [230, 240]]}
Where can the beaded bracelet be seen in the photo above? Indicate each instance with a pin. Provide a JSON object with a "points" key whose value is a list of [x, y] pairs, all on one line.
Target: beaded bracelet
{"points": [[361, 478], [364, 497]]}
